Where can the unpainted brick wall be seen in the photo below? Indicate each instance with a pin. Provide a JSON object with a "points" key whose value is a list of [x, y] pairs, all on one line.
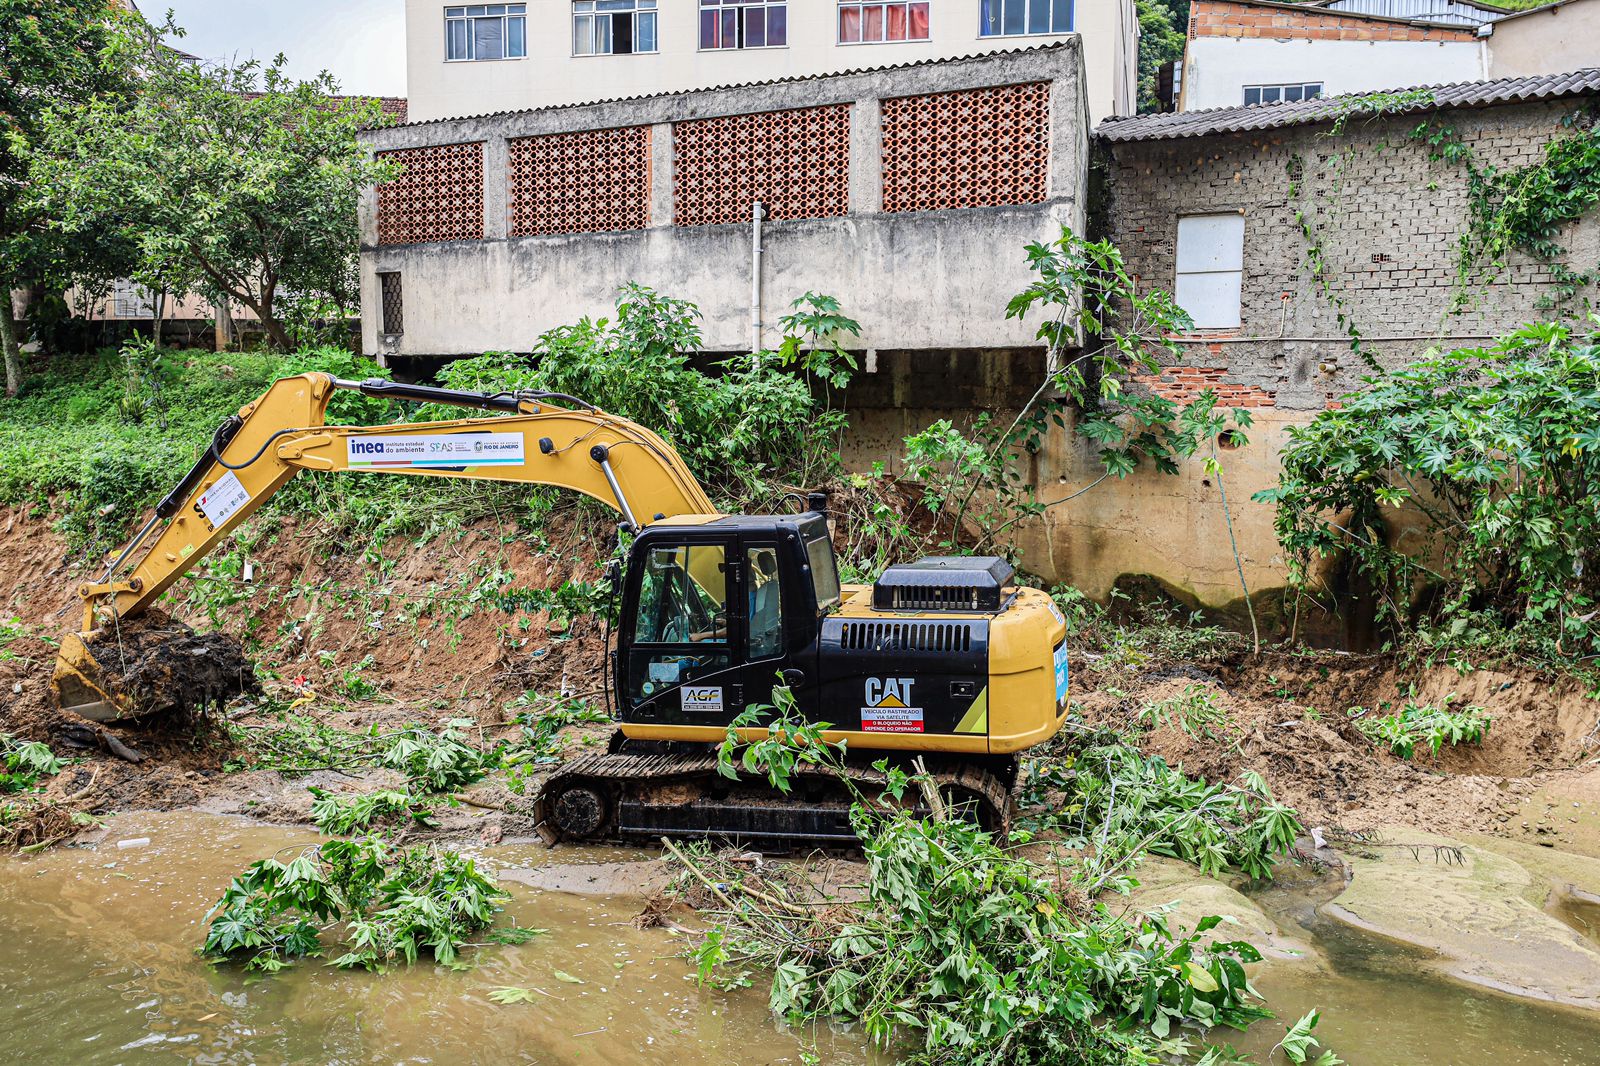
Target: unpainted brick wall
{"points": [[1223, 18], [1390, 222]]}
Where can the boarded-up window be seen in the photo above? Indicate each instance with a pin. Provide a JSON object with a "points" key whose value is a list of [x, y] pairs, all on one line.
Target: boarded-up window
{"points": [[1210, 268]]}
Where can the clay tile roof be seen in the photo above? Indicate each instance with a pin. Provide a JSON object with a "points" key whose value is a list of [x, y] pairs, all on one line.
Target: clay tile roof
{"points": [[1178, 124]]}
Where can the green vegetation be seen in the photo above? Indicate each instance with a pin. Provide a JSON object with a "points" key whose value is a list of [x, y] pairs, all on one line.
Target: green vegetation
{"points": [[1424, 724], [22, 763], [56, 53], [1496, 450], [432, 761], [734, 428], [343, 814], [1195, 712], [389, 905], [978, 954], [1524, 208]]}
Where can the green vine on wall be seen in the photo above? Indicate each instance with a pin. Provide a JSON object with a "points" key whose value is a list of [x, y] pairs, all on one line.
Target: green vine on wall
{"points": [[1343, 110], [1317, 262], [1525, 208]]}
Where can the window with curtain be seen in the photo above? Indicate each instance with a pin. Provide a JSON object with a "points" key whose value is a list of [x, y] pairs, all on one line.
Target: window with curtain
{"points": [[486, 31], [882, 23]]}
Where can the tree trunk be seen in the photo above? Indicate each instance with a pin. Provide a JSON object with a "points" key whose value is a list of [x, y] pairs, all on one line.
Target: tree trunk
{"points": [[8, 341], [159, 306]]}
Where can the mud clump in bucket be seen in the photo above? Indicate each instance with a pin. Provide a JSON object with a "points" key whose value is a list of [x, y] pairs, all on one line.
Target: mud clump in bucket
{"points": [[154, 663]]}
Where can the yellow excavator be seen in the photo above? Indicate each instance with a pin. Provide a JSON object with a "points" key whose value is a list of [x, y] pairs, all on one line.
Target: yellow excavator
{"points": [[944, 658]]}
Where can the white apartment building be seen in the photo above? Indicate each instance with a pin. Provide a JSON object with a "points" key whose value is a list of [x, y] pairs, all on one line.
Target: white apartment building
{"points": [[475, 59]]}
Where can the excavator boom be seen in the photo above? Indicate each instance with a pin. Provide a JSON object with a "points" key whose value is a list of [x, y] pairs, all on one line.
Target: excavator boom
{"points": [[253, 454]]}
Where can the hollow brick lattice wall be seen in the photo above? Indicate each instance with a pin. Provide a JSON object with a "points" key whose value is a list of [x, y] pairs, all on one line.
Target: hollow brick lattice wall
{"points": [[591, 181], [796, 162], [977, 148], [438, 197]]}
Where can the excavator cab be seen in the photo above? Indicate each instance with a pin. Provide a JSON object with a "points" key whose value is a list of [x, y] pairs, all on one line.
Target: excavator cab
{"points": [[714, 613]]}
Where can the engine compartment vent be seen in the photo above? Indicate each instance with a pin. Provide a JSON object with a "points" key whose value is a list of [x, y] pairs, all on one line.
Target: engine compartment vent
{"points": [[944, 583], [906, 636]]}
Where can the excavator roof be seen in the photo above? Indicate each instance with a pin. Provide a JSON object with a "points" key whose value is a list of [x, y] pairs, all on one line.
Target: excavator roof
{"points": [[805, 524]]}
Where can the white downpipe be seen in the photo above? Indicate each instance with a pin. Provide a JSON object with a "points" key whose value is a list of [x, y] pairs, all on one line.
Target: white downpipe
{"points": [[757, 212]]}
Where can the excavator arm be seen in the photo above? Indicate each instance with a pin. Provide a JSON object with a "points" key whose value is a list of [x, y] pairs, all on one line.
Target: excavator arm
{"points": [[254, 453]]}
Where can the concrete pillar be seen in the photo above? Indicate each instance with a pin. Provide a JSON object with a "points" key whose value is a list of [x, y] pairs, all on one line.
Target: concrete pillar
{"points": [[866, 156], [660, 175], [496, 188]]}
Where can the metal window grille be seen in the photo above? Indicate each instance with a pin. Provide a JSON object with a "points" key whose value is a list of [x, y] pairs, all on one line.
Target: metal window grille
{"points": [[131, 300], [744, 24], [437, 197], [592, 181], [613, 27], [393, 300], [797, 163], [977, 148]]}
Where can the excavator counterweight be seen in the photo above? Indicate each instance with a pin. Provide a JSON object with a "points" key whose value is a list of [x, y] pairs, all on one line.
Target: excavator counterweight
{"points": [[945, 659]]}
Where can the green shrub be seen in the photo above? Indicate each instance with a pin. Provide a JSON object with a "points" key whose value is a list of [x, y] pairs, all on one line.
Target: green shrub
{"points": [[22, 763], [742, 430], [1425, 724], [1497, 449]]}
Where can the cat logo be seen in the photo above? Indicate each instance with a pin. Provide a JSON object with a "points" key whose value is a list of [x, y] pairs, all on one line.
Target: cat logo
{"points": [[888, 707]]}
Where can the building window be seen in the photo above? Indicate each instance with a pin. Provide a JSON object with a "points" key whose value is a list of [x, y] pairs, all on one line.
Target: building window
{"points": [[131, 300], [1210, 266], [394, 319], [1272, 94], [486, 31], [1018, 18], [877, 23], [739, 24], [613, 27]]}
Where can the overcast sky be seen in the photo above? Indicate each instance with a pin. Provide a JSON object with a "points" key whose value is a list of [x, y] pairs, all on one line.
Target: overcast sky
{"points": [[362, 42]]}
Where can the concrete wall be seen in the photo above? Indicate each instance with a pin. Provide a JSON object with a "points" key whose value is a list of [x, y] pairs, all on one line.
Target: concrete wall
{"points": [[928, 280], [1390, 222], [1217, 69], [1550, 40], [551, 74]]}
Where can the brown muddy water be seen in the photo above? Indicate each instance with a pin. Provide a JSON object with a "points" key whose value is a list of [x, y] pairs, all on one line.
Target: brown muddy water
{"points": [[99, 967]]}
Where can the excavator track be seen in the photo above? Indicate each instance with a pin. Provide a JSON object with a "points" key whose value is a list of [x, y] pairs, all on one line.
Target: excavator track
{"points": [[651, 791]]}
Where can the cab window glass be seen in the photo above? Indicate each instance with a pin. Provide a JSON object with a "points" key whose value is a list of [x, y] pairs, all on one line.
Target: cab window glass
{"points": [[824, 572], [766, 603], [683, 596]]}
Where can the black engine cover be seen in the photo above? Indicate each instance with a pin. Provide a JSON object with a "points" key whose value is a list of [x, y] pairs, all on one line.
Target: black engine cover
{"points": [[902, 676]]}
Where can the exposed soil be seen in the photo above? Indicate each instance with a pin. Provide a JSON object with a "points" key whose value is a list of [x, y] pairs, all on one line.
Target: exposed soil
{"points": [[327, 619], [1289, 717]]}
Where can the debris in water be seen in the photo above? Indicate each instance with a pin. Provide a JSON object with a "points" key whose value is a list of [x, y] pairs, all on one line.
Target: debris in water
{"points": [[132, 842]]}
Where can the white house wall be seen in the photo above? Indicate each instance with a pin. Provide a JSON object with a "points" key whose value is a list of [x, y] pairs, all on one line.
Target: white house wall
{"points": [[1218, 68], [551, 74]]}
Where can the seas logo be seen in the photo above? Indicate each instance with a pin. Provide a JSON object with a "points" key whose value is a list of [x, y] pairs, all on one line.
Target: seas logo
{"points": [[888, 707]]}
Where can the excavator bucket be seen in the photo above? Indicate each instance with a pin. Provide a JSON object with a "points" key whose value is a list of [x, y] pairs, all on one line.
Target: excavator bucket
{"points": [[129, 668]]}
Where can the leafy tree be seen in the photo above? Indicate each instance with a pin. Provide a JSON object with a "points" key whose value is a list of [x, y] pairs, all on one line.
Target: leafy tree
{"points": [[232, 180], [51, 52], [1162, 28]]}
